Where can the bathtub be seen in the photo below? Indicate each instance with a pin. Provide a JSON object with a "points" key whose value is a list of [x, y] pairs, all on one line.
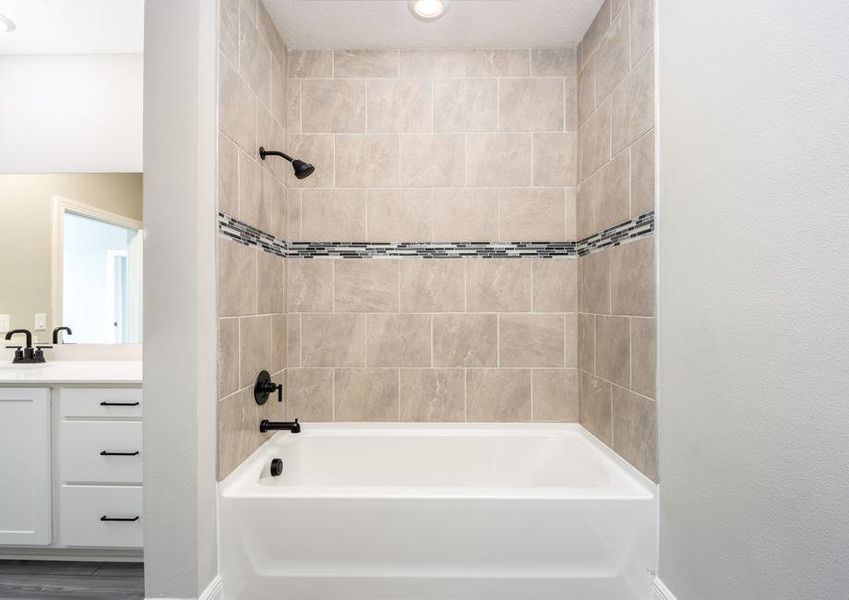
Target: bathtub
{"points": [[427, 512]]}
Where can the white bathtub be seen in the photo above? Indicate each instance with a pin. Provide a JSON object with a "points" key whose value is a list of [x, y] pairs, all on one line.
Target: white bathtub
{"points": [[421, 512]]}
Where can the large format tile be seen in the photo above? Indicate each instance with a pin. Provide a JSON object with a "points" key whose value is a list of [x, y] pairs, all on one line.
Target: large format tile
{"points": [[498, 159], [534, 340], [642, 28], [643, 356], [498, 63], [555, 159], [633, 104], [398, 340], [437, 395], [310, 63], [228, 356], [612, 61], [309, 395], [432, 286], [333, 106], [498, 395], [465, 340], [366, 395], [254, 348], [465, 104], [594, 140], [236, 107], [333, 215], [532, 214], [366, 285], [255, 61], [531, 104], [634, 430], [400, 105], [555, 285], [465, 214], [642, 175], [632, 277], [498, 285], [333, 340], [433, 160], [553, 62], [310, 285], [367, 160], [595, 406], [555, 395], [270, 288], [434, 63], [594, 282], [399, 215], [612, 354], [365, 63], [236, 279]]}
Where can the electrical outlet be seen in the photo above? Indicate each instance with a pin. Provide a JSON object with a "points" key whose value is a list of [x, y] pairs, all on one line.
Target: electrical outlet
{"points": [[40, 322], [4, 323]]}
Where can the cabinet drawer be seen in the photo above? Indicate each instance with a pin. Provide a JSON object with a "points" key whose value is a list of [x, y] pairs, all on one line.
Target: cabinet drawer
{"points": [[100, 402], [85, 510], [100, 451]]}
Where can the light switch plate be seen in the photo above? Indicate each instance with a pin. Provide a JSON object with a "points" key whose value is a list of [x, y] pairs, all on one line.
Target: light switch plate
{"points": [[40, 321], [4, 323]]}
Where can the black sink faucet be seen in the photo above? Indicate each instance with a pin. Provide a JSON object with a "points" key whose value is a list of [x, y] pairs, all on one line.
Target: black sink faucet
{"points": [[26, 354], [57, 330]]}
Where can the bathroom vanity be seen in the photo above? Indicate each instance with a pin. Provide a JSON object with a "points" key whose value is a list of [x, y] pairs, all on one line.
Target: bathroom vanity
{"points": [[71, 460]]}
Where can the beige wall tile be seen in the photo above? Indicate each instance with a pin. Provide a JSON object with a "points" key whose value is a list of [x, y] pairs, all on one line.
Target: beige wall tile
{"points": [[316, 149], [333, 215], [366, 395], [228, 356], [586, 92], [532, 214], [596, 31], [398, 340], [228, 176], [399, 215], [432, 160], [498, 395], [254, 348], [614, 206], [632, 276], [571, 338], [555, 285], [642, 28], [570, 197], [436, 395], [310, 394], [555, 159], [463, 340], [255, 61], [270, 283], [465, 214], [429, 286], [366, 285], [400, 105], [498, 159], [642, 175], [274, 195], [279, 342], [612, 61], [293, 340], [333, 340], [595, 406], [228, 29], [616, 6], [333, 106], [531, 340], [553, 62], [236, 107], [594, 140], [236, 279], [555, 395], [635, 431], [293, 106], [612, 353], [498, 63], [498, 285], [367, 160], [253, 208], [310, 63], [586, 342], [633, 104], [365, 63], [433, 63], [293, 215], [279, 92], [570, 99], [268, 32], [643, 356], [238, 431], [310, 285], [269, 134], [588, 199], [531, 104], [465, 104], [594, 282]]}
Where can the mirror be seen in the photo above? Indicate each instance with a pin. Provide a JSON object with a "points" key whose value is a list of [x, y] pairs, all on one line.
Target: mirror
{"points": [[71, 255]]}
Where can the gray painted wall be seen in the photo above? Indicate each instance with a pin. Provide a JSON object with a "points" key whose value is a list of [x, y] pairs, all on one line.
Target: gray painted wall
{"points": [[179, 298], [753, 309]]}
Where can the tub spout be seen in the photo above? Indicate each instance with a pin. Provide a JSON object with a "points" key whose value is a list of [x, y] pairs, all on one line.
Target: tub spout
{"points": [[293, 426]]}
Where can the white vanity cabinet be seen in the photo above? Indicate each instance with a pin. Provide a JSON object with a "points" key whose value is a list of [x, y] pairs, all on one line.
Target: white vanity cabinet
{"points": [[25, 469]]}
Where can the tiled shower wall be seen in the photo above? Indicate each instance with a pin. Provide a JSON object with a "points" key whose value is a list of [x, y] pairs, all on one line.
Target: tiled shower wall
{"points": [[616, 323], [433, 146], [251, 295]]}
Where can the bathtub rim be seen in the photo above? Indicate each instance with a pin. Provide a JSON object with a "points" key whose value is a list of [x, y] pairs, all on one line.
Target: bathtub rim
{"points": [[243, 481]]}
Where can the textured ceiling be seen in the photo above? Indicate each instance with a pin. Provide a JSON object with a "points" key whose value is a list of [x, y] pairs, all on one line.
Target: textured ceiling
{"points": [[317, 24], [73, 26]]}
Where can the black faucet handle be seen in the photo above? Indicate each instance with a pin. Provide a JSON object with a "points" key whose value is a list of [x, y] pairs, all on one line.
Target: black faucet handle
{"points": [[265, 387], [15, 347]]}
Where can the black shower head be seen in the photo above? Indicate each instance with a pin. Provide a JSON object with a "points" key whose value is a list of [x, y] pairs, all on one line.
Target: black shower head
{"points": [[302, 169]]}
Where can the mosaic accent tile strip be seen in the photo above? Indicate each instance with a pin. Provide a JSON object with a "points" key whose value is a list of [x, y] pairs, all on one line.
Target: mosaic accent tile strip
{"points": [[234, 229]]}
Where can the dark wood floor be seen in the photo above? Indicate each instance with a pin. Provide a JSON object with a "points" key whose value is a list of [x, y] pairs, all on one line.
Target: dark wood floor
{"points": [[69, 580]]}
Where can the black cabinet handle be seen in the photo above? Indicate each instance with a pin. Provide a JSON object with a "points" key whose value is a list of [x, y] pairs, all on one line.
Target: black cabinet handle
{"points": [[119, 403], [106, 453], [123, 519]]}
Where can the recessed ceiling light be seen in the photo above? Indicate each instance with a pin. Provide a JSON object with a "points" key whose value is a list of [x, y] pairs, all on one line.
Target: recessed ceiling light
{"points": [[6, 24], [427, 10]]}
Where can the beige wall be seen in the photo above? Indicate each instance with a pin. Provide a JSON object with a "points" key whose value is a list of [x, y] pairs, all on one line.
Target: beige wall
{"points": [[433, 145], [251, 296], [26, 232], [616, 323]]}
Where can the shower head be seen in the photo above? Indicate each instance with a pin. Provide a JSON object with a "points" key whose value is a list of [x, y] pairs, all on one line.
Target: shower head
{"points": [[302, 169]]}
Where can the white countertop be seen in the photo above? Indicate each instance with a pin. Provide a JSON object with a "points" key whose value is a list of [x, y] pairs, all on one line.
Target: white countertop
{"points": [[95, 372]]}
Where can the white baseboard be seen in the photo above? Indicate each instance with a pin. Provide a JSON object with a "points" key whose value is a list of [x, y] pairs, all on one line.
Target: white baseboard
{"points": [[213, 590], [660, 591]]}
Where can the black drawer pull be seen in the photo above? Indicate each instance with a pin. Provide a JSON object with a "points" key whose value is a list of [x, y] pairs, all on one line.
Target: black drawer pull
{"points": [[123, 519], [104, 403], [107, 453]]}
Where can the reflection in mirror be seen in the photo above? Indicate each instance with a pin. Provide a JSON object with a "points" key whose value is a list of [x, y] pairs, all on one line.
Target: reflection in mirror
{"points": [[71, 255]]}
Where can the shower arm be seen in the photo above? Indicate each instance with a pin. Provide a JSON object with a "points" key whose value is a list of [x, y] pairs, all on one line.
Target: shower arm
{"points": [[263, 153]]}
